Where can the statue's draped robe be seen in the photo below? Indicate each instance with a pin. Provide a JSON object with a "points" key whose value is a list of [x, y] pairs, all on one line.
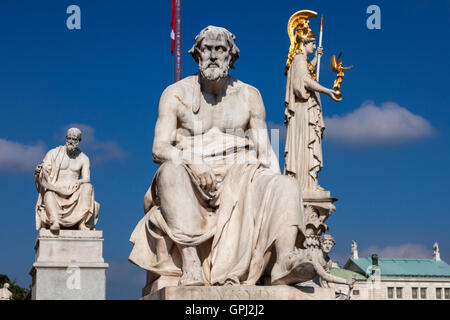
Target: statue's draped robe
{"points": [[305, 126], [250, 209], [72, 208]]}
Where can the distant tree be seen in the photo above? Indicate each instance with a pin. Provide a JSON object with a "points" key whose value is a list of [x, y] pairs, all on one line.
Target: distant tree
{"points": [[18, 292]]}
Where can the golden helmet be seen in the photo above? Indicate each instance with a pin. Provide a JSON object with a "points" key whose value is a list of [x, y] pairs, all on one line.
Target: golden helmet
{"points": [[299, 22]]}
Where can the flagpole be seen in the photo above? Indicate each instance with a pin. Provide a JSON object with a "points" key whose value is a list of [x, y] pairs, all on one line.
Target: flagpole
{"points": [[177, 57]]}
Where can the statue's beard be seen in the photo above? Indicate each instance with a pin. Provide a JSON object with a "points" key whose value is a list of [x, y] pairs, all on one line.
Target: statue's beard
{"points": [[214, 73], [71, 148]]}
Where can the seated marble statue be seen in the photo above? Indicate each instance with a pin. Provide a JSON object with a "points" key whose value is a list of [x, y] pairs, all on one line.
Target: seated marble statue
{"points": [[66, 196], [218, 211]]}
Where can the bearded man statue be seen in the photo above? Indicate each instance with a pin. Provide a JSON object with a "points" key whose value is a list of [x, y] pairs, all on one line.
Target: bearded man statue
{"points": [[66, 197], [218, 211]]}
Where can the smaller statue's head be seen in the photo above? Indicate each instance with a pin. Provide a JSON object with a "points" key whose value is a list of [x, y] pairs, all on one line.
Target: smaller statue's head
{"points": [[73, 138], [327, 243], [215, 52], [309, 45], [6, 285]]}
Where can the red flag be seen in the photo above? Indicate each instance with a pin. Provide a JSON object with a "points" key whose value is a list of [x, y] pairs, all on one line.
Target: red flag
{"points": [[172, 27]]}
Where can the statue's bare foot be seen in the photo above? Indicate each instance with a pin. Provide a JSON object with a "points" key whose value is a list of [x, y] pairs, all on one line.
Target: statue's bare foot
{"points": [[293, 268], [82, 226], [55, 227], [192, 277], [232, 282], [192, 268]]}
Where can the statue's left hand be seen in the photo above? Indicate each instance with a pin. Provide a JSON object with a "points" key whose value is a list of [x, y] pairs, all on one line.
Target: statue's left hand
{"points": [[38, 169]]}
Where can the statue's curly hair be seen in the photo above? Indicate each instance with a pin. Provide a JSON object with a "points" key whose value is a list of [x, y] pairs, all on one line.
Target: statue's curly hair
{"points": [[327, 237], [230, 38], [75, 131]]}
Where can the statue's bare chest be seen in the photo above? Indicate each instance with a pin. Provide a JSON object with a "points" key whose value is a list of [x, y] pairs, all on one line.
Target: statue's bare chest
{"points": [[228, 113], [71, 164]]}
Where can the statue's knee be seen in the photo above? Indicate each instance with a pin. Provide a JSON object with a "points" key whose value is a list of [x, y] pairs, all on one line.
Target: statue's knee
{"points": [[169, 172], [86, 188], [290, 186], [49, 198]]}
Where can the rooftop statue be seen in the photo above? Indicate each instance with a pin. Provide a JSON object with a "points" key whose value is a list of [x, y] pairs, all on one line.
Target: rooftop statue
{"points": [[66, 196]]}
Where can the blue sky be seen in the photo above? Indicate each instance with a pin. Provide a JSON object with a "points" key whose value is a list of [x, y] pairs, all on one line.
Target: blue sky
{"points": [[391, 181]]}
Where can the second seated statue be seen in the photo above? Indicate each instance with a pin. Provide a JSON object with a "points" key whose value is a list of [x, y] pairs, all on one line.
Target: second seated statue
{"points": [[66, 197]]}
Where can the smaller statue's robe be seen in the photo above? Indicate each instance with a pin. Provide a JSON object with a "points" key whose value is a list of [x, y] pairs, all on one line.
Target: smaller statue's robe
{"points": [[73, 208]]}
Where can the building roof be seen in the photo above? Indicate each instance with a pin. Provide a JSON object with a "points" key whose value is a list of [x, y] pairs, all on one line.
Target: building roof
{"points": [[403, 267], [346, 274]]}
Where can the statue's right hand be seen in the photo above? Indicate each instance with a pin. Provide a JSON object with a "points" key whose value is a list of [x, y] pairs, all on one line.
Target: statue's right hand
{"points": [[205, 177], [38, 169], [333, 95]]}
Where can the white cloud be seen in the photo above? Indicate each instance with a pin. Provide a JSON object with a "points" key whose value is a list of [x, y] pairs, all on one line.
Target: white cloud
{"points": [[99, 151], [408, 250], [16, 157], [370, 124]]}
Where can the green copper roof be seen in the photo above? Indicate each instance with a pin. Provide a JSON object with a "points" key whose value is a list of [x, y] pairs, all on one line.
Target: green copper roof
{"points": [[406, 267], [346, 274]]}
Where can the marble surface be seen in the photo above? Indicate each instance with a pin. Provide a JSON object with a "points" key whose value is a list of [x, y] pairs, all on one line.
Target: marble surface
{"points": [[69, 265], [242, 293]]}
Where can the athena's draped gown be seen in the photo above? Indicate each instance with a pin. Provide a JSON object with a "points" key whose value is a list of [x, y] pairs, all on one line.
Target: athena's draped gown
{"points": [[303, 117]]}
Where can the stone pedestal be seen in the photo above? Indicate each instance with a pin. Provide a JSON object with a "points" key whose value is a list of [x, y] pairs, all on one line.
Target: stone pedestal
{"points": [[243, 293], [69, 265], [319, 205]]}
